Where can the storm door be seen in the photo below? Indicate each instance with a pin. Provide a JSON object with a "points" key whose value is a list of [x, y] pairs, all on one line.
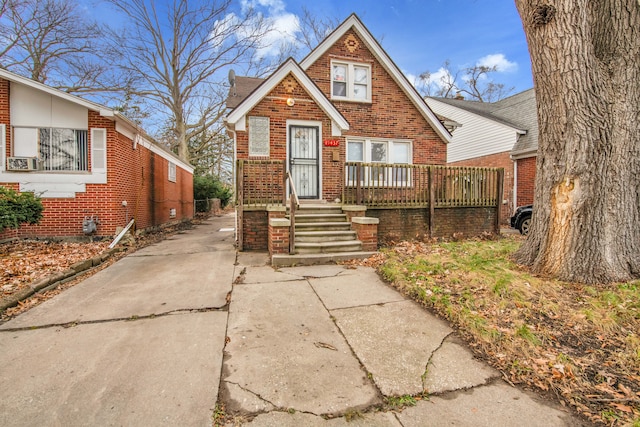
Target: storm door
{"points": [[304, 147]]}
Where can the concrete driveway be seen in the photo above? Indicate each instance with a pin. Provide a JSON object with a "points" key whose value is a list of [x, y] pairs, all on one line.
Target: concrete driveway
{"points": [[184, 329]]}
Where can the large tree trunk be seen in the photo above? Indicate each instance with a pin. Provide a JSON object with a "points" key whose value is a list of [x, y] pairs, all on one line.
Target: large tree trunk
{"points": [[585, 57]]}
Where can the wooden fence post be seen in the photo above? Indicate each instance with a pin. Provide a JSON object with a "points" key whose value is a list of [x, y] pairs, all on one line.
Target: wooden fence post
{"points": [[240, 202], [432, 201], [499, 185]]}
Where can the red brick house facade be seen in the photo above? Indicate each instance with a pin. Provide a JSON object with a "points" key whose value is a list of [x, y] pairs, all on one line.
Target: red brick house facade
{"points": [[85, 160]]}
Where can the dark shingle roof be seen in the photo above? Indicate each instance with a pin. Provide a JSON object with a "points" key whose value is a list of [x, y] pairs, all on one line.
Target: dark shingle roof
{"points": [[242, 88]]}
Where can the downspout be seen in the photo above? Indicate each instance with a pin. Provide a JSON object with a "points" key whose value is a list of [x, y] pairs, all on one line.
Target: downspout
{"points": [[515, 185], [234, 177]]}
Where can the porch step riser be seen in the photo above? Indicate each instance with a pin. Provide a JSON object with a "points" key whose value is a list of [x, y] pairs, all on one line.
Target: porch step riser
{"points": [[305, 218], [327, 248], [312, 259], [320, 211], [325, 236], [338, 226]]}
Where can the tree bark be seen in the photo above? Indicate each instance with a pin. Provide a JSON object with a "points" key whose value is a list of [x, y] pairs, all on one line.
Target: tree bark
{"points": [[586, 67]]}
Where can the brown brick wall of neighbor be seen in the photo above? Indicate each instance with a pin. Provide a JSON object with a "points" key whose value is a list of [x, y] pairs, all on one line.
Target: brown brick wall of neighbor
{"points": [[526, 180], [499, 160], [138, 176]]}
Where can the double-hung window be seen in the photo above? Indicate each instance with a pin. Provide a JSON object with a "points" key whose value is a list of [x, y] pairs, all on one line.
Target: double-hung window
{"points": [[58, 149], [350, 81], [381, 155]]}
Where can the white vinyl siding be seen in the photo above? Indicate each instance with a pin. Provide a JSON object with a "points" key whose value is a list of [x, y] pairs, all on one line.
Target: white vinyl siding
{"points": [[478, 136]]}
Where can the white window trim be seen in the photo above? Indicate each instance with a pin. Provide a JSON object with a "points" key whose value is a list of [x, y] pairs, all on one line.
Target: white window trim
{"points": [[98, 152], [390, 160], [252, 152], [350, 82], [172, 172], [3, 148]]}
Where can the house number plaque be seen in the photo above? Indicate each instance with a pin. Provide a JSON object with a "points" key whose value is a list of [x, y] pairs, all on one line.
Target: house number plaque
{"points": [[331, 142]]}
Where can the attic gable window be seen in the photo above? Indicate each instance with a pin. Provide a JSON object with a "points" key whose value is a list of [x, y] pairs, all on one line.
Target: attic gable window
{"points": [[350, 81]]}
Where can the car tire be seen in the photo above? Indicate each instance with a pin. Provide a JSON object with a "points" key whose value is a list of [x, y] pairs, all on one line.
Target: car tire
{"points": [[525, 225]]}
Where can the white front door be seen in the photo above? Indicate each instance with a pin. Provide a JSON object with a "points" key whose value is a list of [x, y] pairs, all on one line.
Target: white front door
{"points": [[304, 151]]}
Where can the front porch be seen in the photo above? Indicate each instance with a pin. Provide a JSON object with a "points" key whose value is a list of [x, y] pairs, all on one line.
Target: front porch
{"points": [[381, 203]]}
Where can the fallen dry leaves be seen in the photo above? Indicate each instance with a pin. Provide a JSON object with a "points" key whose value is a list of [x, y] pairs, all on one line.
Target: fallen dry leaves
{"points": [[579, 344], [26, 261]]}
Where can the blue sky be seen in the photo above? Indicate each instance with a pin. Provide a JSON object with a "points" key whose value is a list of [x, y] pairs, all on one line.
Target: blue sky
{"points": [[420, 35]]}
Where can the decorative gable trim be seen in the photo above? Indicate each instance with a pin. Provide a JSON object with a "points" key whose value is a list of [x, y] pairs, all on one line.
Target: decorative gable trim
{"points": [[354, 22], [236, 119]]}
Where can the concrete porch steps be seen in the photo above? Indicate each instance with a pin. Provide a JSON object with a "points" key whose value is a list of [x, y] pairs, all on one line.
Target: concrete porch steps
{"points": [[313, 259], [322, 235]]}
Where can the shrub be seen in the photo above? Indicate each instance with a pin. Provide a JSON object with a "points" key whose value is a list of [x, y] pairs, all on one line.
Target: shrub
{"points": [[209, 187], [18, 208]]}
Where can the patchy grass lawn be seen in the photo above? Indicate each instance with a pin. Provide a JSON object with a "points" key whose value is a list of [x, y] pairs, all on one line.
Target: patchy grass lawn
{"points": [[578, 342]]}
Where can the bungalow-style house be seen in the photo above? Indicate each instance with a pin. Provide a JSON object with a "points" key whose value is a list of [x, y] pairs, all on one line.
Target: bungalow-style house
{"points": [[499, 134], [93, 168], [342, 134]]}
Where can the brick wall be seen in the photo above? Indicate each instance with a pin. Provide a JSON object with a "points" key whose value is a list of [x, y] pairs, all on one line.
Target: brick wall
{"points": [[138, 176], [400, 224], [499, 160], [255, 230], [390, 115], [526, 180], [464, 222]]}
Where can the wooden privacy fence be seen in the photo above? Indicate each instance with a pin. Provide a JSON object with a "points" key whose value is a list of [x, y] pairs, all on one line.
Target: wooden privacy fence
{"points": [[262, 182]]}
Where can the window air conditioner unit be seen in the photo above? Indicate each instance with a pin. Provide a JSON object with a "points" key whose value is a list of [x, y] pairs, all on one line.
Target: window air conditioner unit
{"points": [[22, 163]]}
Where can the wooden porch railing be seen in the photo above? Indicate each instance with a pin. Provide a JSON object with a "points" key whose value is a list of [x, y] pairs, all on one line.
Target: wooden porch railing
{"points": [[294, 202], [264, 182], [393, 185]]}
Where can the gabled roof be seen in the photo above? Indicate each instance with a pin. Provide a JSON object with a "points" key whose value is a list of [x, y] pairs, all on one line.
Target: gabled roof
{"points": [[517, 111], [290, 66], [101, 109], [353, 22], [242, 87]]}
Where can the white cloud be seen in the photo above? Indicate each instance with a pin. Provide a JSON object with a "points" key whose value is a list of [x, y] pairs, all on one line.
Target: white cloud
{"points": [[440, 78], [273, 6], [283, 31], [283, 26], [499, 61]]}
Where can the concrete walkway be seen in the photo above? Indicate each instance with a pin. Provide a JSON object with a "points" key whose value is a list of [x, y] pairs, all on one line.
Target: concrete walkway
{"points": [[169, 333]]}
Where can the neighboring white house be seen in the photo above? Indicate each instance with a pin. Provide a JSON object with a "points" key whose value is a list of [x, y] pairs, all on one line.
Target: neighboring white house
{"points": [[500, 134]]}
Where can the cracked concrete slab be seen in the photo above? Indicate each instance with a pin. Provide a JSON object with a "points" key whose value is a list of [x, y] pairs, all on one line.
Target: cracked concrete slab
{"points": [[161, 371], [329, 270], [238, 399], [297, 419], [206, 237], [394, 342], [139, 286], [453, 367], [351, 290], [493, 405], [253, 259], [285, 349], [267, 274]]}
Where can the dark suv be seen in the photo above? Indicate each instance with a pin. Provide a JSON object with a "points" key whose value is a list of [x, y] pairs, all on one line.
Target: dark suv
{"points": [[521, 219]]}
